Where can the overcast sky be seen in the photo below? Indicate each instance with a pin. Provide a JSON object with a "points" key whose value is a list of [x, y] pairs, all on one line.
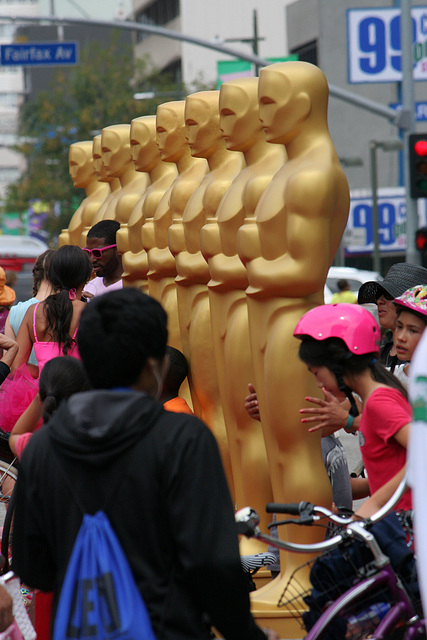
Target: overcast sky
{"points": [[97, 9]]}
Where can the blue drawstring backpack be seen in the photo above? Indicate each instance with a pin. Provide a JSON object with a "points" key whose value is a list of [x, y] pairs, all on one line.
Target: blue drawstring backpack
{"points": [[99, 599]]}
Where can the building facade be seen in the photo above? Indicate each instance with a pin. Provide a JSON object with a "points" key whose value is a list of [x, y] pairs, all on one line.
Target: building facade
{"points": [[12, 95], [222, 21], [333, 34]]}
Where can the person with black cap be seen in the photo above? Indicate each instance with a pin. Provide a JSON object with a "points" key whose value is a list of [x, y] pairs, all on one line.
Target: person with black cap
{"points": [[400, 277]]}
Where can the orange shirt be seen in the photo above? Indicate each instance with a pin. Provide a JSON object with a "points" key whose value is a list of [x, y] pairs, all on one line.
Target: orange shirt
{"points": [[177, 405]]}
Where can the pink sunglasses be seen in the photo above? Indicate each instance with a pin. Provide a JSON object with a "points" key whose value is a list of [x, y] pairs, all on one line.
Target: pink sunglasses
{"points": [[97, 253]]}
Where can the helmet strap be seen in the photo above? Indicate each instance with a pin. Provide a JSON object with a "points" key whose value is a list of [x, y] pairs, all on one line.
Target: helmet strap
{"points": [[338, 372], [354, 411]]}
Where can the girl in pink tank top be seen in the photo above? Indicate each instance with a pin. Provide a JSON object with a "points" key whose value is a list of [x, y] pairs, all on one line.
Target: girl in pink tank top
{"points": [[51, 326], [47, 350]]}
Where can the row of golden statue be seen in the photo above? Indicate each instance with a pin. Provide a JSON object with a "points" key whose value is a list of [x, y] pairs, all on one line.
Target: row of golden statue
{"points": [[232, 205]]}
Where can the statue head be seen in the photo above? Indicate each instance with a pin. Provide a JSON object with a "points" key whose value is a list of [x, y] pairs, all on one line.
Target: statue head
{"points": [[202, 130], [80, 163], [170, 130], [238, 113]]}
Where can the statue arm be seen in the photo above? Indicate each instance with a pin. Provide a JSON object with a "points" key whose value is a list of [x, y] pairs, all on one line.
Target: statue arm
{"points": [[228, 270], [161, 261], [192, 266], [135, 261], [223, 268], [302, 269]]}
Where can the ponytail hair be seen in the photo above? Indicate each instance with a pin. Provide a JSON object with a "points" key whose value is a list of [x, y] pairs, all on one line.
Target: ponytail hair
{"points": [[60, 378], [70, 268], [41, 269], [333, 353]]}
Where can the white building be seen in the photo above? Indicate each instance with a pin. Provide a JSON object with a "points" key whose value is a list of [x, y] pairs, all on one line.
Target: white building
{"points": [[12, 91], [219, 20], [356, 43]]}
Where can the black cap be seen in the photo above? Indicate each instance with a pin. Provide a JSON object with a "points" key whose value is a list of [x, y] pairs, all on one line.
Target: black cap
{"points": [[400, 277]]}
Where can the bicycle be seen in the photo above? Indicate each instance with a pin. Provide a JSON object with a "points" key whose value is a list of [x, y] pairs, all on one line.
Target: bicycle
{"points": [[8, 471], [355, 603], [8, 477]]}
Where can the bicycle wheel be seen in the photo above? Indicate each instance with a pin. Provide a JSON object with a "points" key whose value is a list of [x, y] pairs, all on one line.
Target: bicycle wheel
{"points": [[8, 476]]}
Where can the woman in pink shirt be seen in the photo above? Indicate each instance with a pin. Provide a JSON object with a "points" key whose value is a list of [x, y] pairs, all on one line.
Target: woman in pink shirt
{"points": [[340, 345]]}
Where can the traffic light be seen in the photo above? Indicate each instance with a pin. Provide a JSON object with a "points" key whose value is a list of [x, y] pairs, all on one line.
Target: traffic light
{"points": [[418, 165], [421, 239]]}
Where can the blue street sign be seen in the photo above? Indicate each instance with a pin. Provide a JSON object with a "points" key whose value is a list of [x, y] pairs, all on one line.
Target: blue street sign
{"points": [[420, 110], [39, 54]]}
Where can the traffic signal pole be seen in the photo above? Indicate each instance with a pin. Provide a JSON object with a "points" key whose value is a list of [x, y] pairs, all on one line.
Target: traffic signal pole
{"points": [[408, 105]]}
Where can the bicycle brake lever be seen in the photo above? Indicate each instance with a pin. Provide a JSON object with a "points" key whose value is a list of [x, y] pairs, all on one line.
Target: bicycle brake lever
{"points": [[247, 520], [304, 519]]}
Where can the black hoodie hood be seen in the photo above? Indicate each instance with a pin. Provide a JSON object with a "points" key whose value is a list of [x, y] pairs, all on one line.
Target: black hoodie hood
{"points": [[95, 426]]}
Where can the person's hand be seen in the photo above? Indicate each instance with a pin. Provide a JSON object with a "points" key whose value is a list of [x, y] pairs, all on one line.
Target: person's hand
{"points": [[271, 634], [251, 403], [328, 413], [6, 609], [10, 349], [86, 296]]}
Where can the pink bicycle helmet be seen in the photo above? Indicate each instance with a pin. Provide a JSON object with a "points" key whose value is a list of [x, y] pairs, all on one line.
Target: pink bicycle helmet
{"points": [[355, 325], [414, 298]]}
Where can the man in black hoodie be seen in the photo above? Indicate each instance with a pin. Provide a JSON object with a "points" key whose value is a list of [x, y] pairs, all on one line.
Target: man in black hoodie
{"points": [[157, 475]]}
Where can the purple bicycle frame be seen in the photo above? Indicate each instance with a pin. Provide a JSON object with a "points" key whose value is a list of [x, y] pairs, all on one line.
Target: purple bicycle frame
{"points": [[401, 610]]}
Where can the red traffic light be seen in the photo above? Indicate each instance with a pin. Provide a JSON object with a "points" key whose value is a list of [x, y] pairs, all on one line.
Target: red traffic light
{"points": [[418, 165], [420, 148], [421, 239]]}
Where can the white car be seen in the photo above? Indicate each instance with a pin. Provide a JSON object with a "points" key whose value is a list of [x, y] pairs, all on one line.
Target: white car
{"points": [[355, 278]]}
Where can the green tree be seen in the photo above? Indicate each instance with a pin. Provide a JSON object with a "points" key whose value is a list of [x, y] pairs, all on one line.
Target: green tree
{"points": [[96, 93]]}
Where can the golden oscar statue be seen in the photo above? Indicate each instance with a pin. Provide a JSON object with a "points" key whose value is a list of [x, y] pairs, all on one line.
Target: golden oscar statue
{"points": [[102, 176], [205, 141], [287, 248], [191, 171], [242, 131], [83, 174], [146, 158], [117, 159]]}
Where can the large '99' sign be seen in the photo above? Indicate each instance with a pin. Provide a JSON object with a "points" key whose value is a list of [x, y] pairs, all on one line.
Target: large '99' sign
{"points": [[391, 220], [374, 45]]}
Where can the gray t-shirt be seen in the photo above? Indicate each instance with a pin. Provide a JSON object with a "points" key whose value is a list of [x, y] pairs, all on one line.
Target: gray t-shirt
{"points": [[335, 461], [16, 316]]}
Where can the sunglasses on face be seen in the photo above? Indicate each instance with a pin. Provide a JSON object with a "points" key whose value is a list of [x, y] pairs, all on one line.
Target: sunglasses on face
{"points": [[97, 253], [386, 296]]}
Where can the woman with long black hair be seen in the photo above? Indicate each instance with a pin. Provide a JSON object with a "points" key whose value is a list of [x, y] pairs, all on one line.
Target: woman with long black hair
{"points": [[50, 326]]}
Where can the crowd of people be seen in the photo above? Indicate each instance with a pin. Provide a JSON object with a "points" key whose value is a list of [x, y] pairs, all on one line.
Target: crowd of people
{"points": [[102, 353], [90, 359]]}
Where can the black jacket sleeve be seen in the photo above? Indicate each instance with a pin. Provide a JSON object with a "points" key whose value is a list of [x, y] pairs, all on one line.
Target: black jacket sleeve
{"points": [[4, 371], [32, 560], [206, 536]]}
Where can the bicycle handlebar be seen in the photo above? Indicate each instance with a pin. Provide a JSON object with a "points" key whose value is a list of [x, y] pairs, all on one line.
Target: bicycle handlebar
{"points": [[250, 519], [307, 508], [291, 508]]}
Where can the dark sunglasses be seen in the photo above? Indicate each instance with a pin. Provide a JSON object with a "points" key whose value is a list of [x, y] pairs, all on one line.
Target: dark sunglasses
{"points": [[385, 294], [97, 253]]}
